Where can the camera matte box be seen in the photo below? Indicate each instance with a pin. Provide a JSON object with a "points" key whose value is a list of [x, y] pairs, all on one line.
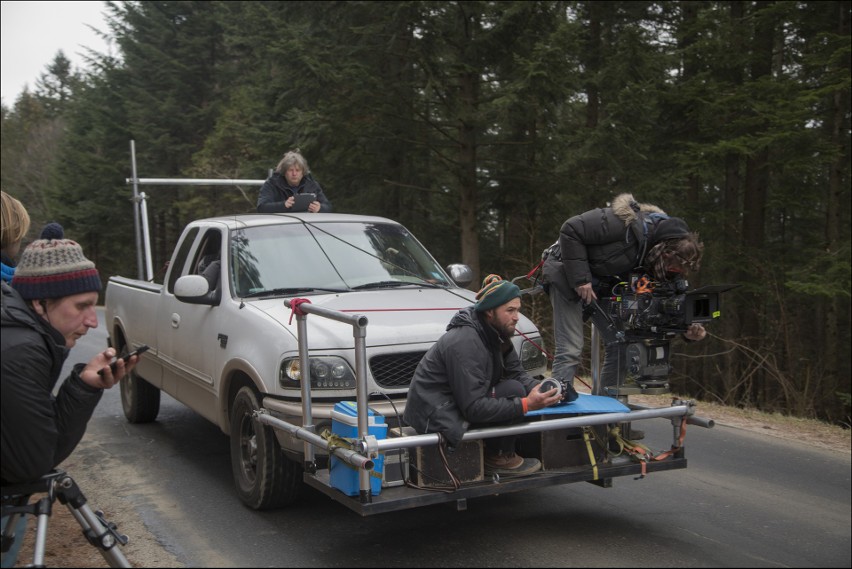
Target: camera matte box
{"points": [[429, 471]]}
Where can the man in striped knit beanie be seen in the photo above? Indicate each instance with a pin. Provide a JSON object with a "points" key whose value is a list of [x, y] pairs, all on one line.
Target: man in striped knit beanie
{"points": [[48, 307]]}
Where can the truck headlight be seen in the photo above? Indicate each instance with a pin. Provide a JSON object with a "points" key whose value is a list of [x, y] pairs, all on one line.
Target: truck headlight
{"points": [[327, 372], [531, 356]]}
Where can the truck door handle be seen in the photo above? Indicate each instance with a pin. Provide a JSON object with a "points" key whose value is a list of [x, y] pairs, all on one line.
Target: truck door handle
{"points": [[175, 320]]}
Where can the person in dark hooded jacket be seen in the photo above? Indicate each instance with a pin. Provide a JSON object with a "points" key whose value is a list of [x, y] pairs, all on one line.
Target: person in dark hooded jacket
{"points": [[472, 377], [291, 177], [603, 246], [49, 305]]}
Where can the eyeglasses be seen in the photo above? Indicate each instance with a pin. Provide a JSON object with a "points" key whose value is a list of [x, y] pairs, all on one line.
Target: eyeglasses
{"points": [[692, 265]]}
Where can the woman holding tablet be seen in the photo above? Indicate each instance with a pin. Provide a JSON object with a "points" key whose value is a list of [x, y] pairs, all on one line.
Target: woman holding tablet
{"points": [[292, 189]]}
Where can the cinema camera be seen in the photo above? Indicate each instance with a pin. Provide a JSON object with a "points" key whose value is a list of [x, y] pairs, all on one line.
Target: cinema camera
{"points": [[645, 315], [645, 308]]}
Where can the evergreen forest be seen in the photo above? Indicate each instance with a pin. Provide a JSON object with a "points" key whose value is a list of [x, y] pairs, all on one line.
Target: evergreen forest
{"points": [[482, 126]]}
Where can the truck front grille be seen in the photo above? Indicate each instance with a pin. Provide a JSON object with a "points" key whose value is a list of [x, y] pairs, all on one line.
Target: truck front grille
{"points": [[395, 370]]}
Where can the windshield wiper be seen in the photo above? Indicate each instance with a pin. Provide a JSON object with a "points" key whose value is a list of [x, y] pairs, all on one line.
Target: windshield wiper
{"points": [[390, 284], [292, 290]]}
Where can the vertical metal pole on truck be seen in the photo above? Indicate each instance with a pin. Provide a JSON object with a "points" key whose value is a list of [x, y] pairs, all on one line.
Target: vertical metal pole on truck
{"points": [[596, 362], [146, 237], [305, 370], [139, 272], [359, 331], [140, 218]]}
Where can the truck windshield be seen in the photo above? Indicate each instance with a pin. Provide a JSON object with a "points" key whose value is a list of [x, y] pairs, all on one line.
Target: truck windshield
{"points": [[330, 257]]}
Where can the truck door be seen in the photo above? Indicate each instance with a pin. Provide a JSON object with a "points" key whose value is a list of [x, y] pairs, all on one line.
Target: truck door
{"points": [[190, 341]]}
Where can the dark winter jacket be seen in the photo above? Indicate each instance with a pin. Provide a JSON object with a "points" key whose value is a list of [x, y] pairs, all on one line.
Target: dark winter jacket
{"points": [[39, 430], [276, 190], [452, 385], [602, 242]]}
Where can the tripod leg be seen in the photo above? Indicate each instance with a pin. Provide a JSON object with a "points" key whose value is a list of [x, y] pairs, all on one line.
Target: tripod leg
{"points": [[44, 511], [99, 532]]}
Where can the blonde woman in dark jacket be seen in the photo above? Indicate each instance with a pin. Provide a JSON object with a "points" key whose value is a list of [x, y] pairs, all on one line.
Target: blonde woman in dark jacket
{"points": [[606, 245]]}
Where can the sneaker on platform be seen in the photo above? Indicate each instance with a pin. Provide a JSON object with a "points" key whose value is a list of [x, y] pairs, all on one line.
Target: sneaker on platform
{"points": [[511, 465]]}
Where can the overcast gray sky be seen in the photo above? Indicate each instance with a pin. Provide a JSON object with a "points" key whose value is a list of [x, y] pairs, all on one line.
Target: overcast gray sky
{"points": [[32, 33]]}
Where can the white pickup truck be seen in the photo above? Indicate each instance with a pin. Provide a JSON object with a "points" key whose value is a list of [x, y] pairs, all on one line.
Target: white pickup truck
{"points": [[223, 342]]}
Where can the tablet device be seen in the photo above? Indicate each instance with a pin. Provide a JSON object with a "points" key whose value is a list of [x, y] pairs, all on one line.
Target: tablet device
{"points": [[302, 202]]}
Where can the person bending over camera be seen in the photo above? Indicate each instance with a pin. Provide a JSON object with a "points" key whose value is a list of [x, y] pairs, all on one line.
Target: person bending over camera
{"points": [[604, 246]]}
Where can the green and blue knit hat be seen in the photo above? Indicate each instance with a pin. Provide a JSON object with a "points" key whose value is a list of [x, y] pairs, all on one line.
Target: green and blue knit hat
{"points": [[495, 292], [54, 268]]}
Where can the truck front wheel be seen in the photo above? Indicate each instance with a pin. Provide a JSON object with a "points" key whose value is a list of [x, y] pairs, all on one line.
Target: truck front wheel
{"points": [[265, 478], [139, 399]]}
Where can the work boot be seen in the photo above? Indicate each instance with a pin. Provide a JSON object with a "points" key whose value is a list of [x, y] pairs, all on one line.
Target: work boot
{"points": [[511, 464]]}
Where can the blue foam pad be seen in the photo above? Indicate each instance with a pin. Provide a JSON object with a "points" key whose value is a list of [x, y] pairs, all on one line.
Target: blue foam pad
{"points": [[584, 405]]}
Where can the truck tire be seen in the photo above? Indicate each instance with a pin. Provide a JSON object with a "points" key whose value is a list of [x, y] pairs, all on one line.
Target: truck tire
{"points": [[264, 477], [139, 399]]}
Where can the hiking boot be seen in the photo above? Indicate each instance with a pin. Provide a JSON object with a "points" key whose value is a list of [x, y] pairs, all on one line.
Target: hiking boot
{"points": [[511, 464]]}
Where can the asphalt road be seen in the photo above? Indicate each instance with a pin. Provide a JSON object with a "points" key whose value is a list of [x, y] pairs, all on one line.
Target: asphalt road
{"points": [[744, 501]]}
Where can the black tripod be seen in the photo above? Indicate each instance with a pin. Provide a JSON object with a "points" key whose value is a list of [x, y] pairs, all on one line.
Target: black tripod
{"points": [[59, 485]]}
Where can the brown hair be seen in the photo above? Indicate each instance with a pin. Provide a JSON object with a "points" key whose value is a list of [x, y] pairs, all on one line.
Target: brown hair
{"points": [[689, 249]]}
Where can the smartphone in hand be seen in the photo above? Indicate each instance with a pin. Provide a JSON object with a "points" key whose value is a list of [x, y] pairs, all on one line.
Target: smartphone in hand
{"points": [[126, 358]]}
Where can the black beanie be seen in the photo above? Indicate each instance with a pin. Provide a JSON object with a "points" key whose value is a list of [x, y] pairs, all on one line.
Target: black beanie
{"points": [[670, 228]]}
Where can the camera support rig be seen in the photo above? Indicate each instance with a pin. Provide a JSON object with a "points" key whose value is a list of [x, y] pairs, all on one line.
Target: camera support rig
{"points": [[637, 323], [57, 485]]}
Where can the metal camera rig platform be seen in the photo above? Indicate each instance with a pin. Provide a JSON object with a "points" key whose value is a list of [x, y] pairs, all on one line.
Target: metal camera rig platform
{"points": [[573, 447]]}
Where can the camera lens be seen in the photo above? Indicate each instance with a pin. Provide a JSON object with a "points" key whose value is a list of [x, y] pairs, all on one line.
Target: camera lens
{"points": [[550, 383]]}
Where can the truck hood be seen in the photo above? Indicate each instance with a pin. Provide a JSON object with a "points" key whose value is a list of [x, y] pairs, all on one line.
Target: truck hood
{"points": [[395, 316]]}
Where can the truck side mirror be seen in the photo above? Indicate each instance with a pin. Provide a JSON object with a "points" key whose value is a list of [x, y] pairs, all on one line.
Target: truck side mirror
{"points": [[461, 274], [194, 289]]}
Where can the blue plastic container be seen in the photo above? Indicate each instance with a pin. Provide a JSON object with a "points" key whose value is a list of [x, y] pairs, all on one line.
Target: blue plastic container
{"points": [[344, 423]]}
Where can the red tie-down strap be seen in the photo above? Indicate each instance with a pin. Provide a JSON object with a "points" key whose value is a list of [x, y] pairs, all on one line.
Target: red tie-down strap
{"points": [[534, 269], [294, 308], [674, 449]]}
